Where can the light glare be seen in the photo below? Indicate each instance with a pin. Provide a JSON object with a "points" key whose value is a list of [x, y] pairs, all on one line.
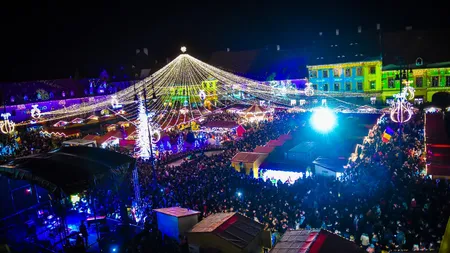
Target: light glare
{"points": [[323, 120]]}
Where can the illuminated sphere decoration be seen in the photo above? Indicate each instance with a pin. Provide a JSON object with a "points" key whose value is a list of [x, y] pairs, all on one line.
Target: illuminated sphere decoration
{"points": [[323, 120], [183, 49]]}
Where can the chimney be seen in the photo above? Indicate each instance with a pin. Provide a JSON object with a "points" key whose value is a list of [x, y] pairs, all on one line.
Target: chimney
{"points": [[378, 26], [278, 47], [359, 29], [337, 32], [408, 28]]}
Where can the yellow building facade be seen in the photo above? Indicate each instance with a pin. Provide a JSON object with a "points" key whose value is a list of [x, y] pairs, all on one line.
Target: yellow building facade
{"points": [[369, 77]]}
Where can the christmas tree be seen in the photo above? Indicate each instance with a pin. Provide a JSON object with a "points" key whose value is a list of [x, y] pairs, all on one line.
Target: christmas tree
{"points": [[142, 142]]}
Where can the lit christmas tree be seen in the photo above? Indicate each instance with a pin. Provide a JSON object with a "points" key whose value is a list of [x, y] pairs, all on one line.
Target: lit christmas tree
{"points": [[142, 142]]}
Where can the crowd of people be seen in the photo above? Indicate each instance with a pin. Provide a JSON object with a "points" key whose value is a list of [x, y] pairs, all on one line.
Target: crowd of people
{"points": [[382, 202], [26, 143]]}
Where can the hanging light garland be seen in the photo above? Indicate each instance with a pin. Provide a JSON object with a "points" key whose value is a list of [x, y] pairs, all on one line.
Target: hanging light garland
{"points": [[35, 112], [192, 82], [6, 126], [401, 110]]}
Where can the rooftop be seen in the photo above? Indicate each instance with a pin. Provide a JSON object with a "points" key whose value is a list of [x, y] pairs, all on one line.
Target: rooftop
{"points": [[305, 146], [177, 211], [232, 227], [336, 165], [246, 157], [295, 241]]}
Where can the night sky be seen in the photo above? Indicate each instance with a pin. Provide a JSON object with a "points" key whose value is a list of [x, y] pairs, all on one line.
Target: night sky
{"points": [[53, 40]]}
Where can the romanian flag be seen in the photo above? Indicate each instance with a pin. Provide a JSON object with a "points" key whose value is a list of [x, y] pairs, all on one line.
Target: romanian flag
{"points": [[387, 135]]}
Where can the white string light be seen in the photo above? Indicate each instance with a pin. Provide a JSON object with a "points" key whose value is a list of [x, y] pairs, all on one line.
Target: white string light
{"points": [[184, 82]]}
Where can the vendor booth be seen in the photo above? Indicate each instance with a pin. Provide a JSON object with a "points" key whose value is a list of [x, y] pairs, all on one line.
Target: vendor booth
{"points": [[248, 162]]}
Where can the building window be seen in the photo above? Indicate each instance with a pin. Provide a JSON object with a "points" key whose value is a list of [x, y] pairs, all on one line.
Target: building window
{"points": [[348, 72], [372, 85], [419, 82], [336, 72], [348, 86], [373, 70], [313, 74], [447, 81], [325, 73], [336, 86], [359, 71], [359, 85], [314, 86], [391, 83], [325, 87], [434, 81]]}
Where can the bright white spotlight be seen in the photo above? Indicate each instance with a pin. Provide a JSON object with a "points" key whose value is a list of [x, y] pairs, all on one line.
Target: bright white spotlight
{"points": [[323, 120]]}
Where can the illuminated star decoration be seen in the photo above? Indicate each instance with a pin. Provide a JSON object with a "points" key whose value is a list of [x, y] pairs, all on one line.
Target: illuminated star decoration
{"points": [[408, 90], [401, 109], [35, 112], [183, 49], [309, 90], [6, 126]]}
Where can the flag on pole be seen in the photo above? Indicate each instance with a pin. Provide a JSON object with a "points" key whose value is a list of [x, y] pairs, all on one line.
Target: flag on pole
{"points": [[387, 135]]}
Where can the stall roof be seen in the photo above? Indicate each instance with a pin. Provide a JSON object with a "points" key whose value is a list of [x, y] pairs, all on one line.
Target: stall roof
{"points": [[68, 169], [221, 124], [246, 157], [305, 146], [264, 149], [294, 241], [107, 136], [177, 211], [277, 143], [335, 164], [232, 227]]}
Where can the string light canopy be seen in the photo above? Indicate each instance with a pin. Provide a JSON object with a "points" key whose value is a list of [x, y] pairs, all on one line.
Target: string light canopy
{"points": [[189, 83]]}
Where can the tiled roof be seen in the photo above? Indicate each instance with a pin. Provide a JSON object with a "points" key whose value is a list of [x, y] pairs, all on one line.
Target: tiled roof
{"points": [[295, 241], [177, 211], [232, 227], [246, 157], [210, 223]]}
